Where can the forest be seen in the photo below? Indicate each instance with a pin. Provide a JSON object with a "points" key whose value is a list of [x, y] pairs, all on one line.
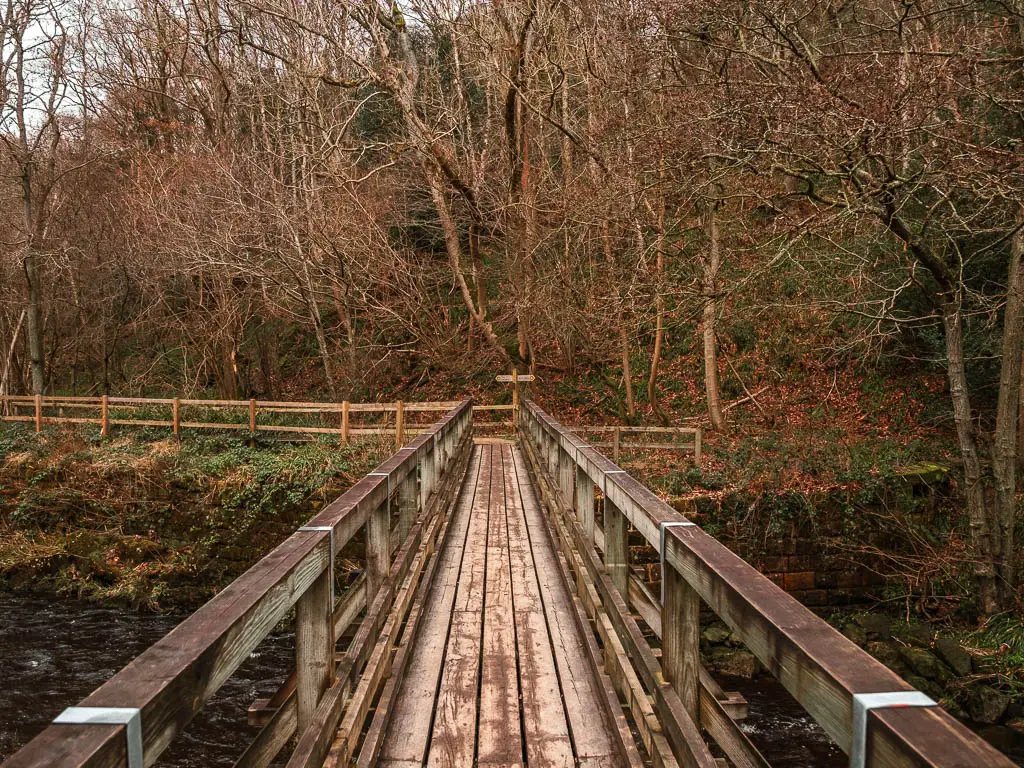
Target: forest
{"points": [[347, 199]]}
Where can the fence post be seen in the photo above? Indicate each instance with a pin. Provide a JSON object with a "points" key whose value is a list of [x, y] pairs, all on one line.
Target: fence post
{"points": [[314, 646], [616, 444], [252, 417], [344, 421], [378, 547], [39, 413], [105, 416], [696, 446], [680, 633], [585, 502], [176, 418], [616, 547], [400, 425]]}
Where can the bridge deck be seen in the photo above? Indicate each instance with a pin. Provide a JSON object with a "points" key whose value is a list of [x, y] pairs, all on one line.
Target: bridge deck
{"points": [[500, 675]]}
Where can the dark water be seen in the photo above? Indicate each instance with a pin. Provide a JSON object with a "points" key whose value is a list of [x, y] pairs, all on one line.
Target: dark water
{"points": [[54, 653]]}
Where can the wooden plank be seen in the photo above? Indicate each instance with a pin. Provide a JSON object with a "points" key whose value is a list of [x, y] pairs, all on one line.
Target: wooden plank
{"points": [[499, 737], [545, 727], [579, 689], [415, 704], [453, 739]]}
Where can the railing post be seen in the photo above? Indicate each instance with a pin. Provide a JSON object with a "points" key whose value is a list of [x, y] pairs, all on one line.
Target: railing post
{"points": [[585, 502], [565, 474], [39, 413], [400, 425], [105, 416], [616, 547], [680, 632], [378, 548], [407, 505], [426, 478], [314, 647], [344, 421]]}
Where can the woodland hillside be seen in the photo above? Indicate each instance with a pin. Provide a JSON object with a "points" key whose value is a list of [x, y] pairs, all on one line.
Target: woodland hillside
{"points": [[660, 207]]}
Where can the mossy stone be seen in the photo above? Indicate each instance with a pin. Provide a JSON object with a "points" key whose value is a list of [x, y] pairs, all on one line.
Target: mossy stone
{"points": [[951, 652]]}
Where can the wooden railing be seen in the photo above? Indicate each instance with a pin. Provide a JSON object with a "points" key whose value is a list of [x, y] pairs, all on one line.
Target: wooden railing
{"points": [[400, 505], [344, 419], [831, 677], [616, 443]]}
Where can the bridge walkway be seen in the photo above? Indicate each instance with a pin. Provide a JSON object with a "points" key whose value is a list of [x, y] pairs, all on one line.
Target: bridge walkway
{"points": [[499, 675]]}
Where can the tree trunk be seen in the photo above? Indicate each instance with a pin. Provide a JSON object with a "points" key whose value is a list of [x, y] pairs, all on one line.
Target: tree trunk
{"points": [[1004, 448], [711, 265], [982, 533], [454, 248], [659, 306], [34, 324]]}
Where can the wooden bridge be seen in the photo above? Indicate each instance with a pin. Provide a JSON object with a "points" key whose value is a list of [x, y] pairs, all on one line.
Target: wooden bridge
{"points": [[497, 623]]}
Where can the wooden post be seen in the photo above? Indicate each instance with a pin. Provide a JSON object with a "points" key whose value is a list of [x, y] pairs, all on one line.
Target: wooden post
{"points": [[176, 418], [105, 416], [252, 416], [314, 647], [407, 505], [400, 425], [426, 478], [616, 547], [565, 474], [680, 643], [39, 414], [585, 502], [696, 446], [344, 421], [616, 444], [378, 549]]}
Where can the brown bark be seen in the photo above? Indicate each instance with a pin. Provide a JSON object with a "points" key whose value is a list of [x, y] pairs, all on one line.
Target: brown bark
{"points": [[1005, 447], [711, 266]]}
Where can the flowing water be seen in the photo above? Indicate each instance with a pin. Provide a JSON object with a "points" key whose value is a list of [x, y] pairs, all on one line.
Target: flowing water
{"points": [[55, 652]]}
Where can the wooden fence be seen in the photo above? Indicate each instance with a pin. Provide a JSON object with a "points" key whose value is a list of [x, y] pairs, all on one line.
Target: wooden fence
{"points": [[344, 419], [869, 711], [691, 445], [401, 506]]}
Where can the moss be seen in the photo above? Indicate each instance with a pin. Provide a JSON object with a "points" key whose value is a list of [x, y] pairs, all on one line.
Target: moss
{"points": [[154, 524]]}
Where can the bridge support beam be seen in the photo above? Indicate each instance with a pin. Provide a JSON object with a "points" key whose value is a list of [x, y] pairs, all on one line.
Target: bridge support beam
{"points": [[680, 640], [408, 505], [585, 502], [378, 549], [565, 475], [314, 647], [616, 547]]}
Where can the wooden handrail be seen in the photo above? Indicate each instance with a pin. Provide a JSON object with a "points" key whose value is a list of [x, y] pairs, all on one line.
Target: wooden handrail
{"points": [[172, 680], [821, 668]]}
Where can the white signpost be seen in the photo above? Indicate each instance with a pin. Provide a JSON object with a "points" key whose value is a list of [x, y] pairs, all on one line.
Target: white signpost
{"points": [[515, 377]]}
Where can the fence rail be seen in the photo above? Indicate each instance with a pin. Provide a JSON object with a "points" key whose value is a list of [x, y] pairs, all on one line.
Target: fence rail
{"points": [[400, 505], [398, 418], [693, 445], [832, 678]]}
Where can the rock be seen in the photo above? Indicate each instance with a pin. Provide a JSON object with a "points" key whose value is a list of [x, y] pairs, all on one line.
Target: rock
{"points": [[986, 705], [716, 635], [876, 625], [998, 736], [923, 662], [733, 662], [856, 633], [887, 653], [914, 633], [951, 652]]}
